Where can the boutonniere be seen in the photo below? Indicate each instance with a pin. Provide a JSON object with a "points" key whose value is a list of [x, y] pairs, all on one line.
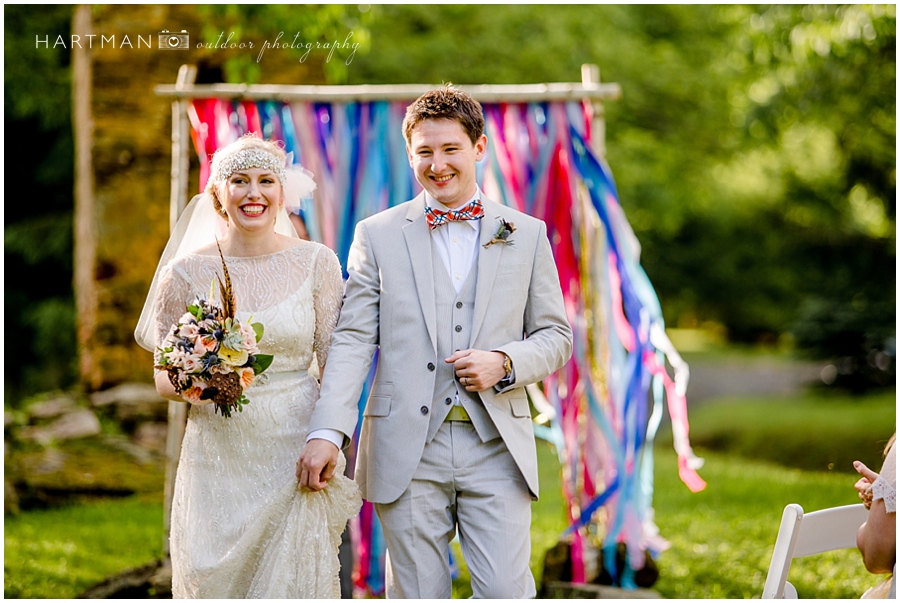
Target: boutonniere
{"points": [[502, 235]]}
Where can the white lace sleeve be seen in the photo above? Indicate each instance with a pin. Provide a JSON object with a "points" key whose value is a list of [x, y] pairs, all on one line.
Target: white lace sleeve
{"points": [[172, 299], [885, 486], [328, 292]]}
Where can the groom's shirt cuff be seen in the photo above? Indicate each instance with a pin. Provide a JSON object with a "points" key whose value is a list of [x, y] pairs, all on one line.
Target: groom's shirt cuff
{"points": [[506, 382], [332, 435]]}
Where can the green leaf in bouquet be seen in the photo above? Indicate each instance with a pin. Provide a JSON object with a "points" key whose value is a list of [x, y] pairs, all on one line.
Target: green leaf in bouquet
{"points": [[262, 363], [196, 311], [258, 329]]}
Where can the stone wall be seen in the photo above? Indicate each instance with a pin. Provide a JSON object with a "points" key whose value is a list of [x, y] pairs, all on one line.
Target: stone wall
{"points": [[131, 154], [56, 450]]}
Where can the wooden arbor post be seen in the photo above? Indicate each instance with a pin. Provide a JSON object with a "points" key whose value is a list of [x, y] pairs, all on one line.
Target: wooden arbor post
{"points": [[181, 133], [590, 77]]}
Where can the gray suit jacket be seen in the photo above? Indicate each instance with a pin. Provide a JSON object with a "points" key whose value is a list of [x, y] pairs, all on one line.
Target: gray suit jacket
{"points": [[389, 306]]}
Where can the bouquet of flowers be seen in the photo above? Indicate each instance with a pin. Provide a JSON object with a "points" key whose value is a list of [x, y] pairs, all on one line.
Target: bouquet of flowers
{"points": [[210, 355]]}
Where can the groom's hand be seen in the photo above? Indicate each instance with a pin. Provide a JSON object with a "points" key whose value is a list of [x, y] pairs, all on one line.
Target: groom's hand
{"points": [[477, 370], [317, 464]]}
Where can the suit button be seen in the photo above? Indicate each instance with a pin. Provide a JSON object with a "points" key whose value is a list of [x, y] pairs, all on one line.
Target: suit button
{"points": [[424, 410], [459, 304], [458, 328], [448, 401], [430, 368]]}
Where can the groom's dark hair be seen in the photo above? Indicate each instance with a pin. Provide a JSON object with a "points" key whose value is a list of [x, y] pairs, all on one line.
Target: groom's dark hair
{"points": [[445, 102]]}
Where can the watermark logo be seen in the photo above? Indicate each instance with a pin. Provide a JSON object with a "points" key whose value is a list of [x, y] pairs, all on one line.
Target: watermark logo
{"points": [[173, 41], [92, 41], [165, 40], [170, 40], [307, 47]]}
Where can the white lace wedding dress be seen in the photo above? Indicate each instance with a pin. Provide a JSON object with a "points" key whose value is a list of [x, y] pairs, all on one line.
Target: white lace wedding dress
{"points": [[239, 526]]}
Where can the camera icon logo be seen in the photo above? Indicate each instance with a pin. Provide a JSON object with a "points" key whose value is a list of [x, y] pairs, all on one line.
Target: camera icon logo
{"points": [[173, 41]]}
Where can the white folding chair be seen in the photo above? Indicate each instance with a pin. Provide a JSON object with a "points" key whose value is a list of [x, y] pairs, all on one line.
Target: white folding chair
{"points": [[810, 534]]}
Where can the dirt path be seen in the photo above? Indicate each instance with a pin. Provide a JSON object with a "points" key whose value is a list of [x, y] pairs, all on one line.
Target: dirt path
{"points": [[713, 378]]}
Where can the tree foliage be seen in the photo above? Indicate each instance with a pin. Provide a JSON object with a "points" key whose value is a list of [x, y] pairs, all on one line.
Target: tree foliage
{"points": [[817, 107], [325, 23], [37, 238]]}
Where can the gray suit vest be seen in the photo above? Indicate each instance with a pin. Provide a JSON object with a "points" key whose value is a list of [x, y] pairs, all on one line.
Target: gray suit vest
{"points": [[453, 319]]}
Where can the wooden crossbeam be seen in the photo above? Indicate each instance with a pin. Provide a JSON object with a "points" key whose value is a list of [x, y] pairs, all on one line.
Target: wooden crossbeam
{"points": [[487, 93]]}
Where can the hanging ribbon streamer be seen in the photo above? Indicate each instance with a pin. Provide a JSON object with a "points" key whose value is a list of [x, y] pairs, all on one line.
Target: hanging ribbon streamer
{"points": [[539, 162]]}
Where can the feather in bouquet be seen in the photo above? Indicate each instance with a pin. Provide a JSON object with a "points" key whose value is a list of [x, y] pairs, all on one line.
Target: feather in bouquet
{"points": [[210, 355]]}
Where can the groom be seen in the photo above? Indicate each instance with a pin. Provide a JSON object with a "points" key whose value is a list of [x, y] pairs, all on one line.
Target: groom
{"points": [[461, 297]]}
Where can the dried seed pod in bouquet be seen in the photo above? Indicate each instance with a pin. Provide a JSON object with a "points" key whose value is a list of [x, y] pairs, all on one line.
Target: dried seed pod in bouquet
{"points": [[225, 390]]}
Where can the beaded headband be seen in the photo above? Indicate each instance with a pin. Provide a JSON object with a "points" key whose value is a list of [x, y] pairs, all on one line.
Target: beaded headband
{"points": [[224, 166]]}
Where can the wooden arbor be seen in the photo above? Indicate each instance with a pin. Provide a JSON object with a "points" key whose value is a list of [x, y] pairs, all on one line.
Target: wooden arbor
{"points": [[590, 89]]}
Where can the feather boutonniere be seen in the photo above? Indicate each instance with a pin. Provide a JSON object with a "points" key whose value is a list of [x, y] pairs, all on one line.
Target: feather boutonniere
{"points": [[502, 235]]}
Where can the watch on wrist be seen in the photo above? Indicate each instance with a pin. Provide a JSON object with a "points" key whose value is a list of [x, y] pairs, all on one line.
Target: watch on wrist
{"points": [[507, 366]]}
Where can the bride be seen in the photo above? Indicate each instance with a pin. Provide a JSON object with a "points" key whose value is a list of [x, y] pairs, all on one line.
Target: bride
{"points": [[240, 527]]}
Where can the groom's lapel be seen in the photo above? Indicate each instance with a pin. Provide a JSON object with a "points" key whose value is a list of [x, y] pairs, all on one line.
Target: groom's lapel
{"points": [[418, 244], [488, 262]]}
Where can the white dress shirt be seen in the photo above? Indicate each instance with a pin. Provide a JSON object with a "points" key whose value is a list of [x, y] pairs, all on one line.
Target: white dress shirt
{"points": [[456, 242]]}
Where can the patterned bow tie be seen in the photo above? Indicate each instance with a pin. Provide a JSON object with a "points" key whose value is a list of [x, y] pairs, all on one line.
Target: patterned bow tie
{"points": [[473, 210]]}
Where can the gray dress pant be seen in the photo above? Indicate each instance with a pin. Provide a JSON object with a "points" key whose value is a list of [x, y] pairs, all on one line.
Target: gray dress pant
{"points": [[473, 486]]}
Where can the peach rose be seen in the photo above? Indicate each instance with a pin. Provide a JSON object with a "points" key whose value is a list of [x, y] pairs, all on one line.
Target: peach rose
{"points": [[192, 394], [210, 343], [247, 376]]}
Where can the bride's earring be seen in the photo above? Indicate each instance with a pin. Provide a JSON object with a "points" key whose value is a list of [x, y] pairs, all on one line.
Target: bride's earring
{"points": [[280, 207]]}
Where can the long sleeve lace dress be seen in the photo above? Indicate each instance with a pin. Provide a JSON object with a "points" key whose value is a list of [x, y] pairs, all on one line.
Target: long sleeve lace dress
{"points": [[240, 528]]}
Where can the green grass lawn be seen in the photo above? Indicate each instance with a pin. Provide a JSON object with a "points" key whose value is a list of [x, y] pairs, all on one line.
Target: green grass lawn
{"points": [[721, 538], [60, 553], [762, 454], [818, 431]]}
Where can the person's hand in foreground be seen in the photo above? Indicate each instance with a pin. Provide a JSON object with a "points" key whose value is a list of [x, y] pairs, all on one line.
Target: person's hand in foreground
{"points": [[863, 486]]}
